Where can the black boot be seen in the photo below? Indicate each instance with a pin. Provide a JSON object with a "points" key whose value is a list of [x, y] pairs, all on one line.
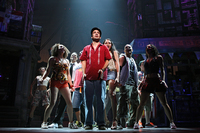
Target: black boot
{"points": [[28, 124]]}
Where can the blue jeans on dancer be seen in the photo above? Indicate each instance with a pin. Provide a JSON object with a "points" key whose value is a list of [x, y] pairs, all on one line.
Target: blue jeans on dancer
{"points": [[94, 88]]}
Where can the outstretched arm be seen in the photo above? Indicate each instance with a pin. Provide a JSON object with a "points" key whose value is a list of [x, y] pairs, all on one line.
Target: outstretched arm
{"points": [[105, 65], [70, 80], [49, 66], [161, 65]]}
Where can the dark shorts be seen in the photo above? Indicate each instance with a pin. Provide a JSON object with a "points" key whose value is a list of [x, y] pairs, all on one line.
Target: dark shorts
{"points": [[40, 95], [153, 85], [77, 98]]}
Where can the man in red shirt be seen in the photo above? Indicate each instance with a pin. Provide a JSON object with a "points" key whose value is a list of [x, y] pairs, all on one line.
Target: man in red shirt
{"points": [[94, 59]]}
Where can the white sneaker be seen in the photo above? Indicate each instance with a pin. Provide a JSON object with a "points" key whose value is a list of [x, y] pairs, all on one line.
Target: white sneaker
{"points": [[44, 125], [60, 126], [136, 126], [172, 125], [53, 125]]}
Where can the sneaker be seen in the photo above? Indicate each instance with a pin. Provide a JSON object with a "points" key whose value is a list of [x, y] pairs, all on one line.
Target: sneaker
{"points": [[119, 127], [60, 126], [136, 126], [172, 125], [128, 125], [149, 125], [88, 127], [140, 124], [44, 125], [95, 124], [102, 127], [72, 125], [79, 123], [114, 125], [53, 125]]}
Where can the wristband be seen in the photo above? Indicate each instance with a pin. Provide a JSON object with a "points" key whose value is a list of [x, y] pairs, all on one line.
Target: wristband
{"points": [[71, 86], [103, 69]]}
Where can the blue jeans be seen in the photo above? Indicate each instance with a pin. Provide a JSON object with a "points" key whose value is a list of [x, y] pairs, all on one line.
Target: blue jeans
{"points": [[77, 98], [94, 88]]}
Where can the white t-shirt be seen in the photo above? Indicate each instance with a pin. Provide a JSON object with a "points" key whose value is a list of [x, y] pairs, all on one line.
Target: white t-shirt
{"points": [[73, 71], [45, 81]]}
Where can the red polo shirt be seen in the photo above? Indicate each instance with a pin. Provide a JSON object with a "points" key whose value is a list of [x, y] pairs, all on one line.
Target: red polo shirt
{"points": [[95, 60]]}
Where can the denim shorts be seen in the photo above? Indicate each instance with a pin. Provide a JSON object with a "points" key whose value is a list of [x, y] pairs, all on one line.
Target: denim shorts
{"points": [[77, 98], [111, 75]]}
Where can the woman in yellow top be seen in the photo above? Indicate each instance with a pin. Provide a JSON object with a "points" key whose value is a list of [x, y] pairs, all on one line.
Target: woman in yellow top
{"points": [[59, 82]]}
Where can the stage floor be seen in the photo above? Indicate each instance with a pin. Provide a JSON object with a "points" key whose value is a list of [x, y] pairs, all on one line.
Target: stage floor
{"points": [[95, 130]]}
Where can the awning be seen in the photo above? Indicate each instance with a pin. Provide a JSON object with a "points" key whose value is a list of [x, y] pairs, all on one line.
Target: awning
{"points": [[167, 44]]}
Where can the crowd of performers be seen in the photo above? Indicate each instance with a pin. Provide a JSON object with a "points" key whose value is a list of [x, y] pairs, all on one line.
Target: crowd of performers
{"points": [[100, 78]]}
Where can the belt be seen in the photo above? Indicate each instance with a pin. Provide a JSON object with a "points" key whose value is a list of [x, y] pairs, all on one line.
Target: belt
{"points": [[112, 70], [152, 75]]}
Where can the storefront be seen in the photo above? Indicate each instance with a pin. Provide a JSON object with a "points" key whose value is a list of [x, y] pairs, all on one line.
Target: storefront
{"points": [[18, 62]]}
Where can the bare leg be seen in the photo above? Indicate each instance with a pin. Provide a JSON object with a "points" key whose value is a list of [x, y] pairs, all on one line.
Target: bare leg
{"points": [[143, 98], [32, 111], [67, 96], [147, 116], [78, 115], [54, 94], [112, 87], [163, 100]]}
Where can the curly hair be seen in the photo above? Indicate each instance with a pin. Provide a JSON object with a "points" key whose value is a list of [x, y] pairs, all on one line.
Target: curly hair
{"points": [[54, 50], [113, 48], [155, 50]]}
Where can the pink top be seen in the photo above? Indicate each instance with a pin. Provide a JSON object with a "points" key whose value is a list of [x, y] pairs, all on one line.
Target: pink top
{"points": [[78, 76]]}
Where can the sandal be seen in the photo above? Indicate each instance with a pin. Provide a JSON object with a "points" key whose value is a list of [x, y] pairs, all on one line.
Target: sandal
{"points": [[114, 125]]}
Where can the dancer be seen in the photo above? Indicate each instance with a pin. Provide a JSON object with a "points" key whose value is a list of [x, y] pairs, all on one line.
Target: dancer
{"points": [[128, 89], [73, 64], [94, 59], [112, 78], [149, 103], [41, 93], [59, 82], [108, 105], [60, 113], [153, 82], [77, 97]]}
